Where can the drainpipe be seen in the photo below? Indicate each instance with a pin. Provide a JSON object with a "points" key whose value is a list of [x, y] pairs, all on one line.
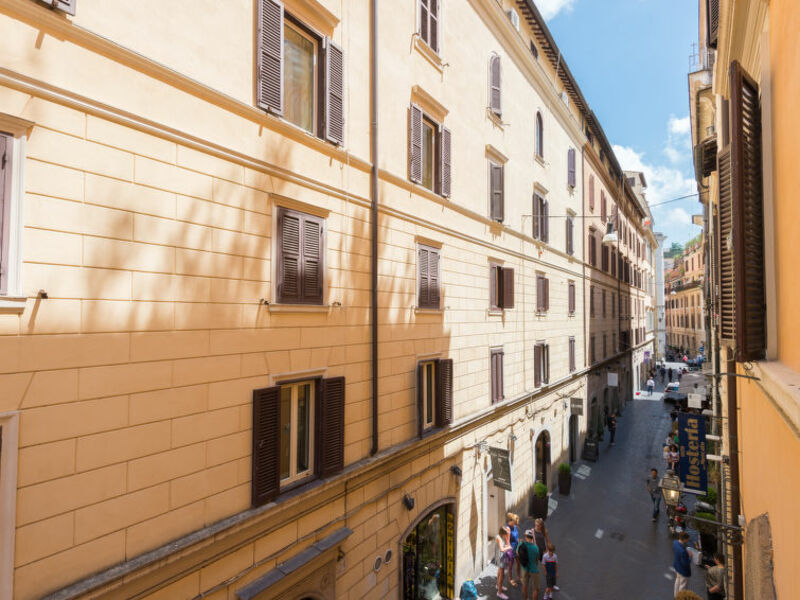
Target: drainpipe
{"points": [[373, 192], [733, 449]]}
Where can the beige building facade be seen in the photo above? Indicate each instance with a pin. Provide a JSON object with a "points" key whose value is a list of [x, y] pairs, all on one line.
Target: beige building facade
{"points": [[686, 310], [269, 310]]}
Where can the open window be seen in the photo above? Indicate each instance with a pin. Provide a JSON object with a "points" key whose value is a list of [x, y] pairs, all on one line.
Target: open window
{"points": [[434, 394], [501, 287], [429, 152]]}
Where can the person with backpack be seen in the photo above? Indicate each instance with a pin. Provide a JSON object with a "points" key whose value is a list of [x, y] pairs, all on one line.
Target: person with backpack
{"points": [[528, 555], [612, 427]]}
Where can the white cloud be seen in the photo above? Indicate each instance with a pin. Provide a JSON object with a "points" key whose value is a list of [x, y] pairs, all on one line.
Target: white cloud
{"points": [[678, 126], [678, 216], [551, 8]]}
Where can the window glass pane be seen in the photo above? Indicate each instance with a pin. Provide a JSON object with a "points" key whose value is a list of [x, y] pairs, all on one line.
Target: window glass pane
{"points": [[428, 142], [286, 433], [303, 426], [429, 393], [298, 78]]}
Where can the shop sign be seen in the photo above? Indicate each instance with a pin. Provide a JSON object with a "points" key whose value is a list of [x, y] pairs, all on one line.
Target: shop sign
{"points": [[613, 380], [576, 406], [692, 467], [695, 400], [501, 468]]}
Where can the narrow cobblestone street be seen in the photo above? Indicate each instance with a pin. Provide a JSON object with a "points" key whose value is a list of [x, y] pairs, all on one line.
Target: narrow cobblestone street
{"points": [[607, 545]]}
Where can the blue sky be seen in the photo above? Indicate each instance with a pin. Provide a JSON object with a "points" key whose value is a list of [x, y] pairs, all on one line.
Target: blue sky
{"points": [[631, 60]]}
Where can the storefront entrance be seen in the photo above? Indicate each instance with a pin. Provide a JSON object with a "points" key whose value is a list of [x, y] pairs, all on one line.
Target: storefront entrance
{"points": [[428, 550], [573, 438], [542, 457]]}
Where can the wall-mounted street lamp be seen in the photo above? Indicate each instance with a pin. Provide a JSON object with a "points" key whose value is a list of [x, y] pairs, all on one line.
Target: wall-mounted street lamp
{"points": [[610, 238], [670, 486]]}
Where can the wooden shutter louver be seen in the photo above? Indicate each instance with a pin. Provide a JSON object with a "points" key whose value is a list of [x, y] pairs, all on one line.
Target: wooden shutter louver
{"points": [[423, 260], [445, 168], [571, 167], [536, 217], [496, 192], [330, 427], [591, 193], [495, 82], [537, 365], [748, 216], [713, 22], [415, 144], [508, 287], [571, 298], [433, 278], [444, 395], [334, 93], [570, 239], [545, 221], [270, 56], [265, 460], [420, 399], [313, 244], [289, 268], [571, 354]]}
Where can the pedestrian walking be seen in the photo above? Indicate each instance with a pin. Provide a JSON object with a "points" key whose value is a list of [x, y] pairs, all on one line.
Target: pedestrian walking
{"points": [[612, 427], [669, 372], [550, 562], [674, 456], [663, 373], [681, 562], [651, 385], [528, 555], [513, 538], [655, 492], [505, 561], [715, 578], [680, 373]]}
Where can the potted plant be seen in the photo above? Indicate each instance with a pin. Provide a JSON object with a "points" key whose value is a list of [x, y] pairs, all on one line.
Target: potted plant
{"points": [[539, 501], [564, 478]]}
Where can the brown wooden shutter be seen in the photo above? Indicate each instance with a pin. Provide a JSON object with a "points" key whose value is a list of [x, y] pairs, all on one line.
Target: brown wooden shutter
{"points": [[571, 354], [546, 363], [334, 92], [748, 215], [570, 241], [591, 301], [433, 278], [445, 166], [330, 427], [67, 6], [712, 22], [546, 294], [591, 192], [571, 298], [270, 55], [545, 221], [265, 461], [603, 205], [444, 392], [571, 167], [501, 395], [5, 181], [496, 191], [289, 258], [420, 399], [537, 365], [536, 217], [415, 144], [423, 266], [313, 259], [495, 83], [508, 287]]}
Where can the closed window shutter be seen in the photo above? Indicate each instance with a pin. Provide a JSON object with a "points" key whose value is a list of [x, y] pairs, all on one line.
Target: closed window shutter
{"points": [[334, 92], [312, 267], [748, 216], [571, 167], [445, 167], [495, 82], [591, 192], [713, 22], [496, 191], [420, 399], [423, 264], [571, 298], [546, 294], [270, 56], [571, 354], [545, 221], [265, 461], [537, 365], [500, 394], [570, 240], [603, 207], [546, 363], [508, 287], [330, 427], [444, 392], [415, 144], [289, 265], [536, 217], [433, 278], [5, 178]]}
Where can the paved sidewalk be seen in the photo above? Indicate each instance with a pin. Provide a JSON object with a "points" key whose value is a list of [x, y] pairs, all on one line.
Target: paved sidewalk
{"points": [[607, 545]]}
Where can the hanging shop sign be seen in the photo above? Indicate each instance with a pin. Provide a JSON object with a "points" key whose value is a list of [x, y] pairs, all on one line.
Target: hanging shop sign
{"points": [[692, 467], [501, 467], [695, 400], [613, 380], [576, 406], [647, 355]]}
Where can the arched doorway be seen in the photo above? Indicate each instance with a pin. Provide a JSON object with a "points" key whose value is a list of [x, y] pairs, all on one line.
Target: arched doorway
{"points": [[428, 567], [542, 457]]}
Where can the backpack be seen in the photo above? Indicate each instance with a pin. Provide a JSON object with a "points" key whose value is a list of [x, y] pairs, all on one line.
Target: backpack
{"points": [[468, 591], [522, 554]]}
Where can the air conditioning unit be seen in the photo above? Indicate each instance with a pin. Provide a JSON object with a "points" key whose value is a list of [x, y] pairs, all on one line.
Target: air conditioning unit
{"points": [[513, 16]]}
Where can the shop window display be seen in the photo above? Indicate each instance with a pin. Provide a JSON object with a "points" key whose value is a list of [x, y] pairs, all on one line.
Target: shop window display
{"points": [[428, 557]]}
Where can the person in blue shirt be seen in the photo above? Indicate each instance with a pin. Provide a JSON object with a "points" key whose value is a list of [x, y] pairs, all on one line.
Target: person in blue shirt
{"points": [[681, 562], [528, 554], [513, 525]]}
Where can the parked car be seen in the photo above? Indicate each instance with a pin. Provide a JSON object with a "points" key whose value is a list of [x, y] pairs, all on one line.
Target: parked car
{"points": [[671, 387], [677, 398]]}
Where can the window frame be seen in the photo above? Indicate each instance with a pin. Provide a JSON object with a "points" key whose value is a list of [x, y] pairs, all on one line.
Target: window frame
{"points": [[496, 378], [294, 475], [15, 130], [429, 383], [572, 349], [437, 18], [539, 136], [496, 164], [430, 305], [435, 167]]}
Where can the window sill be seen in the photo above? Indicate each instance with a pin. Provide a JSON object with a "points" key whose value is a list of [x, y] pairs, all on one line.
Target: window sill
{"points": [[540, 160], [428, 53], [495, 312], [299, 308], [14, 304], [495, 118], [428, 311]]}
